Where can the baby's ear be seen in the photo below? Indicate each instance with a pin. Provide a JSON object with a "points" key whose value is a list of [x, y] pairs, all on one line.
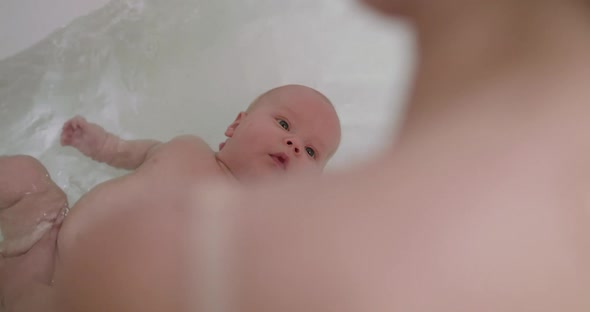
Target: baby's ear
{"points": [[229, 132]]}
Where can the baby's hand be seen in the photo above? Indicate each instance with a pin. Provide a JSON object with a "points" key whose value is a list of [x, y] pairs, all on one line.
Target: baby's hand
{"points": [[87, 137]]}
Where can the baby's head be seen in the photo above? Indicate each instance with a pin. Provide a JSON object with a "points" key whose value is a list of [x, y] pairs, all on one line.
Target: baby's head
{"points": [[288, 129]]}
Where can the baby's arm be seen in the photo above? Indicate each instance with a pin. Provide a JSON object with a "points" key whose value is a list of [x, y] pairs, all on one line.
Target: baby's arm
{"points": [[95, 142]]}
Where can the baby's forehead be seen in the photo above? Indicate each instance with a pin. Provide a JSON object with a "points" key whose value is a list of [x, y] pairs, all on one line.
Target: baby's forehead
{"points": [[303, 102]]}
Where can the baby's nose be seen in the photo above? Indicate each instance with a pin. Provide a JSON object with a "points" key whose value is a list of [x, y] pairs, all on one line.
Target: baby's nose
{"points": [[295, 147]]}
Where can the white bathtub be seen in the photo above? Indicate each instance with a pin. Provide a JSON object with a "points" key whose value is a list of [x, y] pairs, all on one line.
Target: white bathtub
{"points": [[161, 68]]}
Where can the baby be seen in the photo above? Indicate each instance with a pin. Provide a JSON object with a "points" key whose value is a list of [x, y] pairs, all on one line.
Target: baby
{"points": [[481, 204], [288, 130]]}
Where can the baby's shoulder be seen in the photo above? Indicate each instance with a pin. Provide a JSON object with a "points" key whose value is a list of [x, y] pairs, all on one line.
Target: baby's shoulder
{"points": [[184, 158], [188, 140], [184, 145], [185, 151]]}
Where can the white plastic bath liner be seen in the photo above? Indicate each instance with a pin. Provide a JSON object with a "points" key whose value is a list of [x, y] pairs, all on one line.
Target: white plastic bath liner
{"points": [[156, 69]]}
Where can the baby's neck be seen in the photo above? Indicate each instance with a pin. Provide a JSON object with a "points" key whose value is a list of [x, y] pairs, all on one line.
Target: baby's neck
{"points": [[225, 169]]}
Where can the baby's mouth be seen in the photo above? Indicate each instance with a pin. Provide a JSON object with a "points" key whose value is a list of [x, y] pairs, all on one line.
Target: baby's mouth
{"points": [[281, 160]]}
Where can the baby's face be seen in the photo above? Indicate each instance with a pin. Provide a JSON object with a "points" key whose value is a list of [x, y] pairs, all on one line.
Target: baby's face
{"points": [[291, 130]]}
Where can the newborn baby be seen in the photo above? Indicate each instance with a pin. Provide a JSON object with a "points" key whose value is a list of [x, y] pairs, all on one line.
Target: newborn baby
{"points": [[288, 130]]}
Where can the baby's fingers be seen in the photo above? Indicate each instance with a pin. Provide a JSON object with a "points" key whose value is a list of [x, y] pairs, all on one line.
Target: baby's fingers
{"points": [[76, 122], [67, 134], [71, 129]]}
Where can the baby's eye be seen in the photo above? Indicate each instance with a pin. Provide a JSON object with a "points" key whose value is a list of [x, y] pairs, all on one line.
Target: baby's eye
{"points": [[310, 152], [284, 124]]}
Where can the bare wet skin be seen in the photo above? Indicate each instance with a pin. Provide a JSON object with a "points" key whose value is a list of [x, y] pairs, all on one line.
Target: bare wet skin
{"points": [[32, 208]]}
